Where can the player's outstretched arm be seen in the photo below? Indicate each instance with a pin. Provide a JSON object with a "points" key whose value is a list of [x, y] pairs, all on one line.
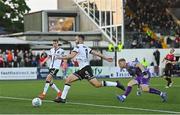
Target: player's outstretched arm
{"points": [[48, 57], [109, 59]]}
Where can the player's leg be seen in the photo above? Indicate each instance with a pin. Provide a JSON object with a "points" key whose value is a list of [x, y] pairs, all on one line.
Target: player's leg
{"points": [[139, 90], [52, 73], [53, 85], [128, 90], [71, 78], [168, 72], [87, 73], [93, 81], [148, 89], [46, 86]]}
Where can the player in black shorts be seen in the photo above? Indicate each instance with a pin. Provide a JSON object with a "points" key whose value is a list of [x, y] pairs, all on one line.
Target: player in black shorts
{"points": [[82, 55], [54, 67], [169, 61]]}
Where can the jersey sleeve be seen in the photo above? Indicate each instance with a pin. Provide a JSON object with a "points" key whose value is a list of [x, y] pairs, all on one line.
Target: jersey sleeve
{"points": [[76, 49], [89, 50], [60, 52], [63, 53], [132, 64], [50, 53]]}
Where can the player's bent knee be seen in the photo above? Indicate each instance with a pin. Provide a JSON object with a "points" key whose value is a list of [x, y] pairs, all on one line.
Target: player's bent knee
{"points": [[97, 85], [67, 80], [129, 84], [145, 89]]}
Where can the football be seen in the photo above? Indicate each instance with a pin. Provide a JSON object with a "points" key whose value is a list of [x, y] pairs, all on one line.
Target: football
{"points": [[36, 102]]}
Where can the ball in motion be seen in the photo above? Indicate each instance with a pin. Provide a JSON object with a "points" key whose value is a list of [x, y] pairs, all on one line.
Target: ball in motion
{"points": [[36, 102]]}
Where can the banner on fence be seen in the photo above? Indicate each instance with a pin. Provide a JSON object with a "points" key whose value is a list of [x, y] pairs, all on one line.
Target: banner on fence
{"points": [[18, 73]]}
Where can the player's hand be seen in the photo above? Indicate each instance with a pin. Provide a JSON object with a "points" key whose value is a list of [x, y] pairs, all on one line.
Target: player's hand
{"points": [[41, 64], [109, 59]]}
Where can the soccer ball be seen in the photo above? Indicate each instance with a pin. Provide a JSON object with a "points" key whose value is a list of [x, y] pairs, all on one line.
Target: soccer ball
{"points": [[36, 102]]}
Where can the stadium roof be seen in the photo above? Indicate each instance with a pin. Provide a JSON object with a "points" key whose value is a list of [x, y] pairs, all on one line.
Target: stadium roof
{"points": [[69, 36], [11, 40]]}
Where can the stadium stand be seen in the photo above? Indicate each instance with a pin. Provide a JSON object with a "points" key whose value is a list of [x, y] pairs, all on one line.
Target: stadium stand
{"points": [[147, 18]]}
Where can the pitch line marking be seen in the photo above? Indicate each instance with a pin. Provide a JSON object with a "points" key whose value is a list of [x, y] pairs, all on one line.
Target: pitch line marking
{"points": [[95, 105]]}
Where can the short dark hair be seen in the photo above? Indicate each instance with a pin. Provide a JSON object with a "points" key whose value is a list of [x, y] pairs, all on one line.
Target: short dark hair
{"points": [[82, 37], [121, 59], [55, 40]]}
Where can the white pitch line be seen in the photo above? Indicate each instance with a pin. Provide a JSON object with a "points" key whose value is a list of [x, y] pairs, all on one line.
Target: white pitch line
{"points": [[95, 105]]}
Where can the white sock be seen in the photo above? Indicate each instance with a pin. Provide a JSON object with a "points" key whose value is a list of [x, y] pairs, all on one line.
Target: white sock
{"points": [[124, 96], [53, 86], [110, 83], [161, 93], [46, 88], [65, 91]]}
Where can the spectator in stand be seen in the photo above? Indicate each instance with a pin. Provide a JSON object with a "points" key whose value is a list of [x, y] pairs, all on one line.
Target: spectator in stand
{"points": [[145, 63], [1, 61], [157, 56], [27, 62], [177, 42], [15, 63], [169, 41], [9, 58], [38, 58], [64, 67], [34, 62], [44, 54], [75, 63], [42, 58], [70, 63]]}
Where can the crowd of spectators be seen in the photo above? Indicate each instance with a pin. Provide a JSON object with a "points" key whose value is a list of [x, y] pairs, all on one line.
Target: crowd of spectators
{"points": [[151, 13], [26, 58]]}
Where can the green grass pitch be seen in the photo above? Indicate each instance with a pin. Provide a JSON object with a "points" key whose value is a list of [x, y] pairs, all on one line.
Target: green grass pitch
{"points": [[16, 96]]}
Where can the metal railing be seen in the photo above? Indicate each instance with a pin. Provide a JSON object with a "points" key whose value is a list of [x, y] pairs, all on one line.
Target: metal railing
{"points": [[107, 15]]}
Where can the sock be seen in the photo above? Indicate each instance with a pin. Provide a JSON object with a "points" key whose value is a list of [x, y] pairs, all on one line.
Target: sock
{"points": [[65, 91], [154, 91], [169, 81], [109, 83], [46, 86], [53, 86], [128, 90]]}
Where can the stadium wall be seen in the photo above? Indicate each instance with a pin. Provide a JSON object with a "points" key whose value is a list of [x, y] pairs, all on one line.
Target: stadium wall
{"points": [[131, 54], [41, 73]]}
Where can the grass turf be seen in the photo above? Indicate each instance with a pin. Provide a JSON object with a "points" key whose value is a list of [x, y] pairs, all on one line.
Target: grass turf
{"points": [[85, 99]]}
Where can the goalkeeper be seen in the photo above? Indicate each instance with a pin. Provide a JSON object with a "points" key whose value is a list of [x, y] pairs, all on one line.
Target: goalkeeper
{"points": [[142, 77]]}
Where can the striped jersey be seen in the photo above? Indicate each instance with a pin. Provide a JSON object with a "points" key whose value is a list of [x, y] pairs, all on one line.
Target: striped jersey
{"points": [[54, 53], [83, 55]]}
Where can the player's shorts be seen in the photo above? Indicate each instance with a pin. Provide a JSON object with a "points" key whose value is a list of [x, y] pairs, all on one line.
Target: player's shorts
{"points": [[168, 69], [142, 79], [53, 71], [85, 73]]}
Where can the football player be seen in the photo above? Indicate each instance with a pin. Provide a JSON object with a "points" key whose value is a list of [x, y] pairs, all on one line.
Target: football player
{"points": [[141, 78], [81, 52]]}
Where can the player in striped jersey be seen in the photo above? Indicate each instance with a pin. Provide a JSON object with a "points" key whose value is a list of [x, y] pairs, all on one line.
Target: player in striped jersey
{"points": [[81, 52], [54, 67]]}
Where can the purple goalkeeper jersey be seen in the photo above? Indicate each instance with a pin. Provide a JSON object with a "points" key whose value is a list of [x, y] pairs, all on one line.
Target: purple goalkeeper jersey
{"points": [[137, 73]]}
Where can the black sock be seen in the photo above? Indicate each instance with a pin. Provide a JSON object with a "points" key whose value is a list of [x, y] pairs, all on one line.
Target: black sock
{"points": [[169, 81]]}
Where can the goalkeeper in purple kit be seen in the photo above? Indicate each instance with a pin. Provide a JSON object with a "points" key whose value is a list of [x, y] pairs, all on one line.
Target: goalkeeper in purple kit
{"points": [[141, 78]]}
